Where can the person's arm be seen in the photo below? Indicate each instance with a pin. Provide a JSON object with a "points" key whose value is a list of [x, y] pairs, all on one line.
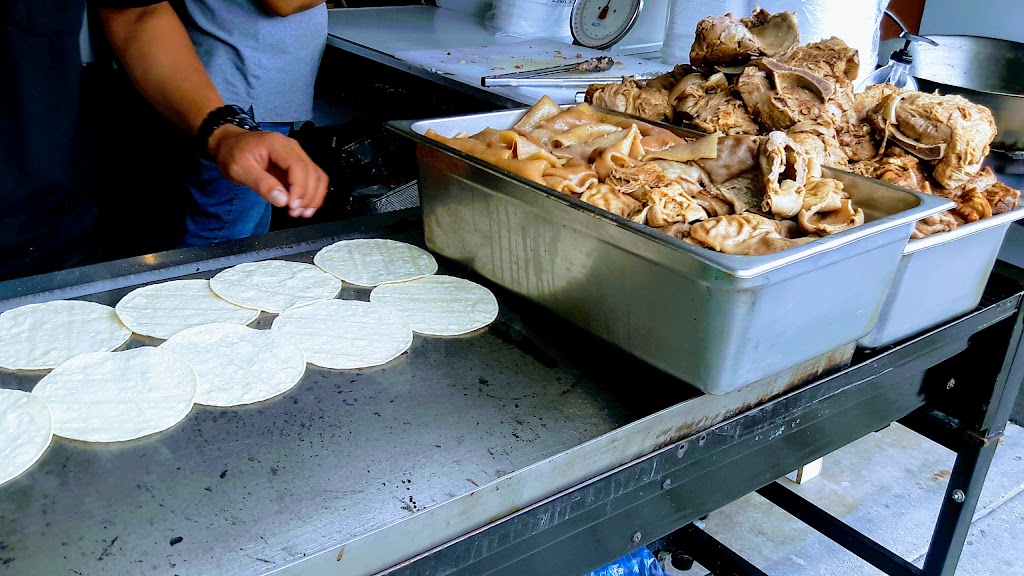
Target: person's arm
{"points": [[289, 7], [155, 50]]}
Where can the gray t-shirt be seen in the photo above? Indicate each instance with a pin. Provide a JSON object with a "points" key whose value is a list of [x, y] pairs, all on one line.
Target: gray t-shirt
{"points": [[257, 59]]}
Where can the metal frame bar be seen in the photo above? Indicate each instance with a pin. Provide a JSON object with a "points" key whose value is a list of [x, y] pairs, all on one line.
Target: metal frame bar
{"points": [[584, 527], [838, 531], [974, 443]]}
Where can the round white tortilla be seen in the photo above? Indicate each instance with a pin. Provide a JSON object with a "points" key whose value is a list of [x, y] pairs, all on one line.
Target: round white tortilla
{"points": [[375, 261], [26, 429], [236, 365], [41, 336], [274, 285], [345, 334], [163, 310], [116, 396], [439, 305]]}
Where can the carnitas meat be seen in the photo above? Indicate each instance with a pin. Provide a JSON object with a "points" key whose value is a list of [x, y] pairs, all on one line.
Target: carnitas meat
{"points": [[710, 106], [632, 97], [831, 59], [897, 167], [780, 97], [784, 167], [833, 222], [729, 41], [749, 77], [934, 224], [736, 154], [949, 129], [1002, 198], [746, 234]]}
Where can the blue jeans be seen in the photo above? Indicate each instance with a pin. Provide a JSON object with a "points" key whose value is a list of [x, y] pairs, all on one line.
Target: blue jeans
{"points": [[222, 210]]}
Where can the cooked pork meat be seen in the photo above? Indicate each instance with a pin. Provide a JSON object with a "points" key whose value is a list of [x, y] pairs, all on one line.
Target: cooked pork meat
{"points": [[712, 203], [678, 230], [898, 168], [823, 195], [934, 224], [736, 154], [857, 141], [632, 97], [750, 77], [743, 192], [778, 104], [668, 80], [632, 179], [723, 40], [971, 206], [831, 59], [971, 202], [826, 150], [606, 197], [956, 130], [776, 33], [834, 222], [670, 204], [729, 41], [746, 234], [784, 167], [1002, 198], [710, 106]]}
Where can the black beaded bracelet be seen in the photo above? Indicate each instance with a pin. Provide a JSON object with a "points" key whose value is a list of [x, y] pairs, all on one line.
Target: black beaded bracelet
{"points": [[227, 114]]}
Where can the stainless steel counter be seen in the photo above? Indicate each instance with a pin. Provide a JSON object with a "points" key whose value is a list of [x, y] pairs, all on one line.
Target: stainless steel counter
{"points": [[350, 472], [380, 33]]}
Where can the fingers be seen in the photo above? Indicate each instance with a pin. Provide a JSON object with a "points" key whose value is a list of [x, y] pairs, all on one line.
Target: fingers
{"points": [[307, 183], [246, 170], [253, 159]]}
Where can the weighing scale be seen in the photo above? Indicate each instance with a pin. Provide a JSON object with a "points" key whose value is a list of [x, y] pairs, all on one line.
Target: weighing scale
{"points": [[619, 26]]}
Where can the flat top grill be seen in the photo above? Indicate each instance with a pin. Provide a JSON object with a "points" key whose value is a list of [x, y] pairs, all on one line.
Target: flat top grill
{"points": [[350, 472]]}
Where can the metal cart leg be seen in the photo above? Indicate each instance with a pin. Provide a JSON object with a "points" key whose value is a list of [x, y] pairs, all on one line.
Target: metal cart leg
{"points": [[958, 507]]}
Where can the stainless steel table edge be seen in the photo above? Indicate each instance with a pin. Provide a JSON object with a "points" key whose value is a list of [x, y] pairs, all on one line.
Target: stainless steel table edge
{"points": [[159, 266], [504, 97], [509, 494]]}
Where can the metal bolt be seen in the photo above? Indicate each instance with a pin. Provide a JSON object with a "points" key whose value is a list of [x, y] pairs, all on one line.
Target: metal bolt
{"points": [[951, 383], [636, 537], [958, 496], [666, 484], [681, 450]]}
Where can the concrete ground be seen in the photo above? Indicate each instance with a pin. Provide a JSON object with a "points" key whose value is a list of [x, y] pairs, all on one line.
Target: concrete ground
{"points": [[889, 486]]}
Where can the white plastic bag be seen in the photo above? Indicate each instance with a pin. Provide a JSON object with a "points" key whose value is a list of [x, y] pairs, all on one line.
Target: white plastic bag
{"points": [[530, 19], [856, 22]]}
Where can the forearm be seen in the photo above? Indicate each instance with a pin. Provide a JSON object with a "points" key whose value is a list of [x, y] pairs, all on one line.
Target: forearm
{"points": [[155, 50], [289, 7]]}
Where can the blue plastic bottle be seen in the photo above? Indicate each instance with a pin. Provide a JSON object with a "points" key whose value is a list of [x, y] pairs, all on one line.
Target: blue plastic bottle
{"points": [[640, 562]]}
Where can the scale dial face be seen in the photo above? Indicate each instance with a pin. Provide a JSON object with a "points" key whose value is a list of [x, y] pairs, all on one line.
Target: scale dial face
{"points": [[601, 23]]}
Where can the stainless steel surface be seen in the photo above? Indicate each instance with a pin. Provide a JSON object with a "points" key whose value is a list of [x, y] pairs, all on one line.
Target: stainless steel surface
{"points": [[717, 321], [940, 278], [350, 472], [986, 71], [562, 81]]}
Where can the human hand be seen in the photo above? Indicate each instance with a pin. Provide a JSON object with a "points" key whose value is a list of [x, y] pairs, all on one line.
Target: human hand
{"points": [[273, 165]]}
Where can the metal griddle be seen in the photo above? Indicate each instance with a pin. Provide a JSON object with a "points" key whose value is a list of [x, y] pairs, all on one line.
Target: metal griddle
{"points": [[382, 463]]}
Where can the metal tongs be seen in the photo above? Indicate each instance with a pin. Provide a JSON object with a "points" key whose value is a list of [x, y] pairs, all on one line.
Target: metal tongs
{"points": [[542, 76]]}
